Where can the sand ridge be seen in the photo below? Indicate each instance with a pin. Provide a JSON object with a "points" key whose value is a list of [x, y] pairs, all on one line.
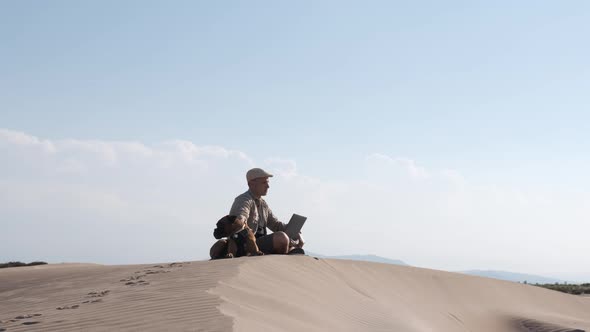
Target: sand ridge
{"points": [[322, 294], [277, 293]]}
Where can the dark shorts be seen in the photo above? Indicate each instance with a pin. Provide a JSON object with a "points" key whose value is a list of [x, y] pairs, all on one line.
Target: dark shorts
{"points": [[264, 243]]}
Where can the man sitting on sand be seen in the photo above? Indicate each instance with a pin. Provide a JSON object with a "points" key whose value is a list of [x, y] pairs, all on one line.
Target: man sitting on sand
{"points": [[250, 207]]}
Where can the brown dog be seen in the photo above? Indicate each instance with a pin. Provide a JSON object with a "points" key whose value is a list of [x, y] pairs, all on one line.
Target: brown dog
{"points": [[241, 240]]}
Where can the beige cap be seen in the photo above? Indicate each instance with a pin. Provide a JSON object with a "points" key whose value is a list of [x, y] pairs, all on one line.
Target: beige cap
{"points": [[256, 173]]}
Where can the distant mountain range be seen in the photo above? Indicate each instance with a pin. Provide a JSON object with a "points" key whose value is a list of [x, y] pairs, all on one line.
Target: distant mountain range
{"points": [[511, 276], [501, 275]]}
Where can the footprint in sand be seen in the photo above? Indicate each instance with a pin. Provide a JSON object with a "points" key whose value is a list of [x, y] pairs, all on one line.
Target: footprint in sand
{"points": [[136, 280], [93, 296], [173, 264], [19, 318], [27, 316], [98, 294], [137, 283], [75, 306], [92, 301], [132, 278], [156, 272]]}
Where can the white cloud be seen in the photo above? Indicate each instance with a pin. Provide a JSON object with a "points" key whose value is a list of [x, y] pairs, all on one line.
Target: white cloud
{"points": [[280, 166], [113, 185], [407, 165], [127, 202], [21, 139]]}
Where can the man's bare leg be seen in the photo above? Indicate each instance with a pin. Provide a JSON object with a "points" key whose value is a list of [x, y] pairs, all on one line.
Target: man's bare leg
{"points": [[280, 243]]}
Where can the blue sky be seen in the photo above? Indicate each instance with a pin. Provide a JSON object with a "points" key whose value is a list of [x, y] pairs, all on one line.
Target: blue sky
{"points": [[495, 92]]}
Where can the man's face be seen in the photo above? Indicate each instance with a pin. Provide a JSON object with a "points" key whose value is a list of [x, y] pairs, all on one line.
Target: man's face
{"points": [[259, 186]]}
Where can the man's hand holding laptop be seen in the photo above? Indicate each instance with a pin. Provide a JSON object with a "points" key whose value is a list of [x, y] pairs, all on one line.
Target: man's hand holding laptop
{"points": [[293, 230], [298, 243]]}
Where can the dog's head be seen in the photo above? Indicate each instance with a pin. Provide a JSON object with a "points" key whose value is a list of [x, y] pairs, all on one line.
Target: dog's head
{"points": [[227, 226]]}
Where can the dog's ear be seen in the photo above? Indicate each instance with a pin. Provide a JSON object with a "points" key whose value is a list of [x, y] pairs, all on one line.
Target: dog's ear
{"points": [[218, 233], [231, 219], [222, 221]]}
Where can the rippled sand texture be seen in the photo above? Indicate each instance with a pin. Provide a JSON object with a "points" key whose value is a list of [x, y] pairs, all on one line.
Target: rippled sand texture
{"points": [[272, 293]]}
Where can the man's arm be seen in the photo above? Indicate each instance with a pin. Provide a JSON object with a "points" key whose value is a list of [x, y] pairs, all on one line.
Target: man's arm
{"points": [[240, 208]]}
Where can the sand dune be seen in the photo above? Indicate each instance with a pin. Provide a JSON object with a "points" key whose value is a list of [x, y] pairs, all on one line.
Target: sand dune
{"points": [[276, 293]]}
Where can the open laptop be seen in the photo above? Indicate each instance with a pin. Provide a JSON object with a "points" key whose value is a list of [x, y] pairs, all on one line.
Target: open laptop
{"points": [[294, 226]]}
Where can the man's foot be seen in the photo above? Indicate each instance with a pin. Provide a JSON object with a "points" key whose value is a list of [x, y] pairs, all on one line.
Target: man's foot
{"points": [[296, 251]]}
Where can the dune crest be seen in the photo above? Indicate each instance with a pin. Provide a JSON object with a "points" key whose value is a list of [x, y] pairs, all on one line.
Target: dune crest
{"points": [[271, 293], [295, 293]]}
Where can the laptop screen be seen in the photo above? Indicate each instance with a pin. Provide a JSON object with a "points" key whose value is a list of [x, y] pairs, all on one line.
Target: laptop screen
{"points": [[294, 226]]}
